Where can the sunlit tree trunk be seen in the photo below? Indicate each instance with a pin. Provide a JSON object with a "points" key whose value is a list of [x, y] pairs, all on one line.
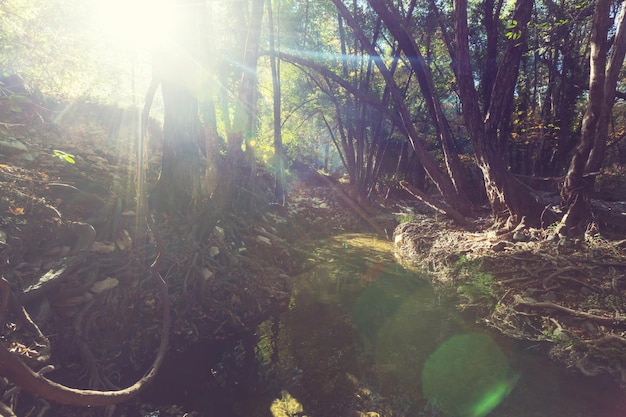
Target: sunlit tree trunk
{"points": [[407, 43], [242, 129], [176, 66], [279, 192], [590, 152], [510, 201]]}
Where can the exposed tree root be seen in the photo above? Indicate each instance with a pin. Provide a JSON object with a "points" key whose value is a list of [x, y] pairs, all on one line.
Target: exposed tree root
{"points": [[576, 313], [13, 368]]}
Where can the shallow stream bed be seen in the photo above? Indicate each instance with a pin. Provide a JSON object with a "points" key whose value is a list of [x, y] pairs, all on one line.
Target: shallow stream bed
{"points": [[363, 336]]}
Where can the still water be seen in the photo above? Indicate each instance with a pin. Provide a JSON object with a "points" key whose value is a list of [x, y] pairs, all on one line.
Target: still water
{"points": [[363, 336]]}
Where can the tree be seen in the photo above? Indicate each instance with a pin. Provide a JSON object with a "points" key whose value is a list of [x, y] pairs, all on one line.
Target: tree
{"points": [[279, 192], [458, 202], [591, 150], [408, 45], [510, 200]]}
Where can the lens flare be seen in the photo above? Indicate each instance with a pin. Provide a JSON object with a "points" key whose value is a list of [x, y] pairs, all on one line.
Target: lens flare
{"points": [[467, 376]]}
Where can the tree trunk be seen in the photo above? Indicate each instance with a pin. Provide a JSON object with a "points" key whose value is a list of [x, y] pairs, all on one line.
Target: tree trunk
{"points": [[589, 153], [402, 35], [181, 167], [180, 184], [441, 180], [510, 201], [279, 193]]}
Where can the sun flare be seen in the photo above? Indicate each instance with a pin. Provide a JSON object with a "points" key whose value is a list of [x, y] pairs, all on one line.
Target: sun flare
{"points": [[133, 23]]}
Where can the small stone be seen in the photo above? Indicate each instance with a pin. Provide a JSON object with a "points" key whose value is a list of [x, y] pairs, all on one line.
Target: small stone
{"points": [[520, 236], [84, 236], [263, 240], [12, 147], [207, 273], [219, 233], [214, 251], [104, 285], [124, 242], [590, 327], [103, 247]]}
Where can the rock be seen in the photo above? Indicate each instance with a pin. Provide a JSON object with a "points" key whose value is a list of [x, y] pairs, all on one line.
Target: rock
{"points": [[14, 148], [3, 237], [219, 233], [207, 273], [124, 242], [104, 285], [500, 246], [264, 240], [590, 327], [102, 247], [520, 236], [214, 251], [84, 235]]}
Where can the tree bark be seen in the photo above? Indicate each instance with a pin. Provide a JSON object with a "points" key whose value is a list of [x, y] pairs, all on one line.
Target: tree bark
{"points": [[177, 67], [589, 153], [510, 201]]}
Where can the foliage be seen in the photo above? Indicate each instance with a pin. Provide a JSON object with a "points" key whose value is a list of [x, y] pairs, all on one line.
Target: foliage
{"points": [[57, 47], [64, 156], [477, 286]]}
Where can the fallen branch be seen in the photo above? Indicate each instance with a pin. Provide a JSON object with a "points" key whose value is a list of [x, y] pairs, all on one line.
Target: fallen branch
{"points": [[457, 217], [519, 301]]}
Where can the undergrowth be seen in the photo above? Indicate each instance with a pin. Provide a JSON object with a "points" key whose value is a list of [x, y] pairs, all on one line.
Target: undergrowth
{"points": [[477, 286]]}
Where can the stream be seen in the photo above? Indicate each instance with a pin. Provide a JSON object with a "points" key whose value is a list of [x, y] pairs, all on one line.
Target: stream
{"points": [[363, 336]]}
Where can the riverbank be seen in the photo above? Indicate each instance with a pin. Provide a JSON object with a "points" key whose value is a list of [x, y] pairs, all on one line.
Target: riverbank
{"points": [[531, 285]]}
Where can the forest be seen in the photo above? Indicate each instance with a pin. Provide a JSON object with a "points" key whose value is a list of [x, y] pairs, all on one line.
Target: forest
{"points": [[174, 172]]}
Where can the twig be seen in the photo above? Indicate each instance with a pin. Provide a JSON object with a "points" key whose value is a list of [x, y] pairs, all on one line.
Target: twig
{"points": [[6, 411]]}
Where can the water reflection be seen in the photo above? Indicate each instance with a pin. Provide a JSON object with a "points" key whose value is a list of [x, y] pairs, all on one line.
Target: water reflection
{"points": [[363, 336], [358, 332]]}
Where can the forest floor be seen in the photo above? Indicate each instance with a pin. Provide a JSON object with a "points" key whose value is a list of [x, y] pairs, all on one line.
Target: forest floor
{"points": [[89, 289]]}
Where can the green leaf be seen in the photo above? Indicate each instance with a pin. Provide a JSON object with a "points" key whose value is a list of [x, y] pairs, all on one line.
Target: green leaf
{"points": [[64, 156]]}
